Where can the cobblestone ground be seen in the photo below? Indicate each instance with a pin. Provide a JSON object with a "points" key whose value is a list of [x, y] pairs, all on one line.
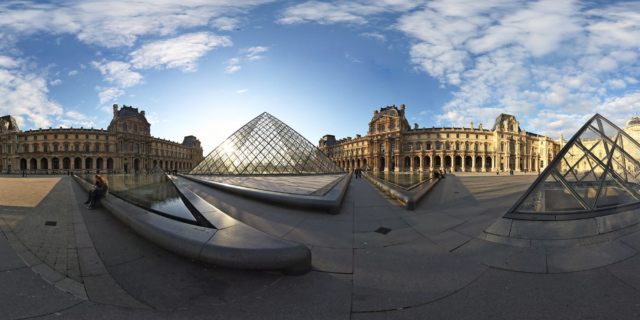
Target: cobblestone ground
{"points": [[42, 200]]}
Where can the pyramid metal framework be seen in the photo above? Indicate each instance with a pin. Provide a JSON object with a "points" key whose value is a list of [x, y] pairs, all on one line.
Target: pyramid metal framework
{"points": [[266, 145], [596, 173]]}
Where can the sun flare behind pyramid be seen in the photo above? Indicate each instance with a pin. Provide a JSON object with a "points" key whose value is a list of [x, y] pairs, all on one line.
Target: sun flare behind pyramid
{"points": [[265, 145]]}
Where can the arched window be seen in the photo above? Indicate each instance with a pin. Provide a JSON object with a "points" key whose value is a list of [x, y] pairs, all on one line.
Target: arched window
{"points": [[136, 148], [438, 146], [409, 147], [419, 146], [384, 128], [457, 146], [428, 146], [124, 126], [135, 128], [501, 147], [382, 147], [373, 129], [393, 126]]}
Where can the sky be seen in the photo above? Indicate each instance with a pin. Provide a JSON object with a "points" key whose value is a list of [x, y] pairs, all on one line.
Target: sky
{"points": [[207, 67]]}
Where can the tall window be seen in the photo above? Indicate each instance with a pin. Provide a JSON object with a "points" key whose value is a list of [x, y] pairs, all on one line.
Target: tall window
{"points": [[135, 128], [393, 147], [501, 147], [55, 148], [393, 126], [485, 147], [447, 135], [77, 147], [144, 130], [457, 135], [124, 126], [428, 146], [66, 147], [409, 147], [136, 148], [373, 129], [512, 148], [438, 146], [384, 128], [382, 147], [126, 147], [106, 148], [419, 146], [87, 148], [457, 146], [447, 146]]}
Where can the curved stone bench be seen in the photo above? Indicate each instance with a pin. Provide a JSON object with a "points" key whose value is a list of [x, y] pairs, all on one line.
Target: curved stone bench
{"points": [[231, 245], [331, 201]]}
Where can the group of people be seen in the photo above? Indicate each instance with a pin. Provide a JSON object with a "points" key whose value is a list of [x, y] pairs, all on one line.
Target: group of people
{"points": [[358, 173], [99, 190]]}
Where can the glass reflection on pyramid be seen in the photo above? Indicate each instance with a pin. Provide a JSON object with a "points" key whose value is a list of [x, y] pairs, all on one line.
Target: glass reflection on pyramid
{"points": [[266, 146], [597, 170]]}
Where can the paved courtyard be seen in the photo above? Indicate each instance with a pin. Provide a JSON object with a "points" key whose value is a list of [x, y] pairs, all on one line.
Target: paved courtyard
{"points": [[91, 266]]}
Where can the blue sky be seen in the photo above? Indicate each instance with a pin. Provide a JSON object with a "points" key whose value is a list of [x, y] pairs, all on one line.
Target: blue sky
{"points": [[320, 66]]}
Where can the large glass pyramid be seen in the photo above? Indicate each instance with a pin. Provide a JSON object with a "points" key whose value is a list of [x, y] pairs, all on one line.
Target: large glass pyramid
{"points": [[596, 171], [266, 145]]}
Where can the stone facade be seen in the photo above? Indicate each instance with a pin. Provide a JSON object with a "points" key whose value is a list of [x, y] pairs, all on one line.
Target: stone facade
{"points": [[125, 146], [391, 144]]}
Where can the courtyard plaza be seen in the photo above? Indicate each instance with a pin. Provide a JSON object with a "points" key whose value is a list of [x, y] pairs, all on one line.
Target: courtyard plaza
{"points": [[91, 266]]}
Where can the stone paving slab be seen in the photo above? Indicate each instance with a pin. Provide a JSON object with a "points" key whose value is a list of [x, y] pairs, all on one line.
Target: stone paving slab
{"points": [[505, 257], [449, 239], [332, 260], [432, 223], [104, 289], [588, 257], [549, 230], [408, 274]]}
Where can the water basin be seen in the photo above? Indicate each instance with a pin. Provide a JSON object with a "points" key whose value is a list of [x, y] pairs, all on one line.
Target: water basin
{"points": [[406, 180], [153, 191]]}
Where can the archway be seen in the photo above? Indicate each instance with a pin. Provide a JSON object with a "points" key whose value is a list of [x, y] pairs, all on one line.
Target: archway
{"points": [[136, 164], [109, 164], [55, 163], [77, 163], [99, 164], [512, 163], [33, 164], [447, 161], [427, 161], [407, 162], [88, 163], [468, 161], [66, 163], [416, 162], [382, 164], [44, 164], [458, 162], [488, 164], [358, 162], [437, 161], [23, 164], [155, 163], [478, 162]]}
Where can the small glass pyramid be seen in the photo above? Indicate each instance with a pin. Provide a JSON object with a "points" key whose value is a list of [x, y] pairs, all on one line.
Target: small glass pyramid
{"points": [[265, 145], [598, 169]]}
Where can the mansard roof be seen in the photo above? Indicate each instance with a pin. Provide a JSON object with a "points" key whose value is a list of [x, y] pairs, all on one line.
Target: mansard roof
{"points": [[501, 118], [12, 123], [130, 111]]}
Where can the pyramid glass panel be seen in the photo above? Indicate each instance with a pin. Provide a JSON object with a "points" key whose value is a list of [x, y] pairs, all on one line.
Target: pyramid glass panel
{"points": [[265, 145], [598, 169]]}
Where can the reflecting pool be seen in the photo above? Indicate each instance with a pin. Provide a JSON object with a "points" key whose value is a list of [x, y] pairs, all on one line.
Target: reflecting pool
{"points": [[405, 180], [153, 191]]}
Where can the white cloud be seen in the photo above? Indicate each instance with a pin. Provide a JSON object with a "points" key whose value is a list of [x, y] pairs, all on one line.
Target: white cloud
{"points": [[108, 94], [350, 12], [24, 94], [232, 69], [233, 61], [254, 58], [254, 51], [375, 36], [118, 72], [82, 66], [98, 53], [351, 58], [73, 73], [55, 82], [181, 52], [75, 119], [118, 23], [243, 90]]}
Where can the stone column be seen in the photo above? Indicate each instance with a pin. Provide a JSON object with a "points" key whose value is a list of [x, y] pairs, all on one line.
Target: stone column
{"points": [[484, 168], [473, 163]]}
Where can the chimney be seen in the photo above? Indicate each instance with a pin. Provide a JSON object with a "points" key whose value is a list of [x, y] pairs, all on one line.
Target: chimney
{"points": [[480, 126], [142, 113], [402, 107], [115, 110], [562, 138], [415, 124], [358, 136], [375, 112], [471, 125]]}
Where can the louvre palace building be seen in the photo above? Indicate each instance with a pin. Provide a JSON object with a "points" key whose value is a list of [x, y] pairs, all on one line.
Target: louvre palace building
{"points": [[391, 144], [125, 146]]}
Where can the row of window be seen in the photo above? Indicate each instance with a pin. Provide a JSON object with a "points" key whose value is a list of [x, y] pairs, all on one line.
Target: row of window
{"points": [[384, 128], [66, 136], [135, 128]]}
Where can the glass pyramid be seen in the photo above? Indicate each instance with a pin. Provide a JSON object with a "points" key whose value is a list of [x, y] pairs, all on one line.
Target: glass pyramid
{"points": [[598, 169], [266, 145]]}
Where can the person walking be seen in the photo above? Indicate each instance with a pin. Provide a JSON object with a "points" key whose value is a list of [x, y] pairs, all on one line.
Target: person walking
{"points": [[100, 190]]}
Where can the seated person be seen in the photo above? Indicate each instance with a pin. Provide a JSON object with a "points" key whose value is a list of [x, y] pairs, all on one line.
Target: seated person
{"points": [[100, 189]]}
